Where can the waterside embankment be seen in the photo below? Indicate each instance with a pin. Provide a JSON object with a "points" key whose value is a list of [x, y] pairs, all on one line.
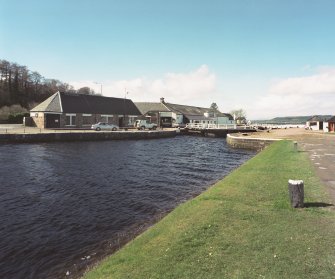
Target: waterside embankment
{"points": [[243, 140], [83, 136], [241, 227]]}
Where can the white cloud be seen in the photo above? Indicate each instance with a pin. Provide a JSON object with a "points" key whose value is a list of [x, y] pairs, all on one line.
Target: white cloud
{"points": [[321, 83], [197, 87], [307, 95]]}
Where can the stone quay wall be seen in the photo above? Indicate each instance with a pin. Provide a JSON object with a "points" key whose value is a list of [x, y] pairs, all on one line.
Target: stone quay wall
{"points": [[84, 136], [242, 141]]}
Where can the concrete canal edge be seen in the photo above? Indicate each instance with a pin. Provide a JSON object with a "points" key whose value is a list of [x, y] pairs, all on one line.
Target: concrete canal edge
{"points": [[246, 142], [84, 136]]}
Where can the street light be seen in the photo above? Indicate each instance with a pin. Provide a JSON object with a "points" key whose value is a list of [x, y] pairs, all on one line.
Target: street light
{"points": [[124, 105], [100, 87]]}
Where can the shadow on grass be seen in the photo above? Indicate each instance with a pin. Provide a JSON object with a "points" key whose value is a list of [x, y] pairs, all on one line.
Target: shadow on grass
{"points": [[317, 204]]}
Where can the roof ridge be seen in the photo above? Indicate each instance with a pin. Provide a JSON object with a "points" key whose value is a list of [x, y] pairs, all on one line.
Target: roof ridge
{"points": [[43, 106], [91, 95], [187, 106]]}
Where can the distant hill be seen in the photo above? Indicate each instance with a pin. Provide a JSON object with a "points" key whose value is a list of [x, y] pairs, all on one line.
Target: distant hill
{"points": [[285, 120], [289, 119]]}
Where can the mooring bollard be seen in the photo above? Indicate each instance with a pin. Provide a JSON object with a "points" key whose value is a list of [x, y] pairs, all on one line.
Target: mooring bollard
{"points": [[295, 144], [296, 193]]}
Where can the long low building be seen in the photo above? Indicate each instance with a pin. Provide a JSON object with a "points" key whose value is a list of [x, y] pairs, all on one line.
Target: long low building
{"points": [[69, 110], [173, 115], [324, 123]]}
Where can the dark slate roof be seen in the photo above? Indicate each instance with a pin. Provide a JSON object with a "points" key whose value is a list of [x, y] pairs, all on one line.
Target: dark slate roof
{"points": [[199, 117], [331, 119], [190, 112], [212, 117], [187, 110], [52, 104], [145, 107], [319, 118], [92, 104]]}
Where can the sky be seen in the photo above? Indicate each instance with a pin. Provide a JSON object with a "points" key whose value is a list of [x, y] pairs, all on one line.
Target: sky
{"points": [[271, 58]]}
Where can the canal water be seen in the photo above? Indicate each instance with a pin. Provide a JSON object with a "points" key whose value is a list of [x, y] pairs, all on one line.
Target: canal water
{"points": [[64, 206]]}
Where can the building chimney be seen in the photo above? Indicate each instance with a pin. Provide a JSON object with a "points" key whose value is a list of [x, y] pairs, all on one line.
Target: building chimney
{"points": [[162, 100]]}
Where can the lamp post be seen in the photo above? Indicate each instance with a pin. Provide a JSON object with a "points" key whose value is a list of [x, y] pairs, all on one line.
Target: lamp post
{"points": [[124, 106], [100, 86]]}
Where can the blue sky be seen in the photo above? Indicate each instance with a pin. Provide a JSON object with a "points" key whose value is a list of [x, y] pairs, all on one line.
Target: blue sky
{"points": [[271, 58]]}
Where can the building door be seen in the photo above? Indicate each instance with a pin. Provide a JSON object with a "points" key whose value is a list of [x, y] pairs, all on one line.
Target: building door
{"points": [[166, 122], [320, 125], [121, 121], [52, 120]]}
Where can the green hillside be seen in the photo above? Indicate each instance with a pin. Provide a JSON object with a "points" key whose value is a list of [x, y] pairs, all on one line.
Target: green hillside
{"points": [[285, 120]]}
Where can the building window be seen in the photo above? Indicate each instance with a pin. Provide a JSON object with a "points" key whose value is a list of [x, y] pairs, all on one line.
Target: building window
{"points": [[131, 120], [70, 119], [87, 119], [33, 114], [107, 118]]}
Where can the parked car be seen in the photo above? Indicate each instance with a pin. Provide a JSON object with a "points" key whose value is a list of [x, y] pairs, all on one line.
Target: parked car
{"points": [[104, 126], [145, 124]]}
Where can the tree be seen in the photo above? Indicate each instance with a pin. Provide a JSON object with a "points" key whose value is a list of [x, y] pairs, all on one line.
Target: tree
{"points": [[85, 90], [214, 107], [238, 113], [20, 86], [36, 79]]}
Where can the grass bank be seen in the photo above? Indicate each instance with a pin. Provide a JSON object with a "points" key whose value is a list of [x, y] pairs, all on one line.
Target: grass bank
{"points": [[243, 227]]}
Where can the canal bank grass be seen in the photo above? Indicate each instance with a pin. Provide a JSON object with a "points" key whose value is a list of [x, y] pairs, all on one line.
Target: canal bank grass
{"points": [[242, 227]]}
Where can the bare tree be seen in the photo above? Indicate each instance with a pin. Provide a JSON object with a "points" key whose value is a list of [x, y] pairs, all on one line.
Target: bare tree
{"points": [[86, 90], [214, 107], [36, 79], [239, 114], [65, 87], [20, 86]]}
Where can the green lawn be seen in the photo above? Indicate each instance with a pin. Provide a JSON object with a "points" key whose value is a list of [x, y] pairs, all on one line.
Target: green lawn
{"points": [[242, 227]]}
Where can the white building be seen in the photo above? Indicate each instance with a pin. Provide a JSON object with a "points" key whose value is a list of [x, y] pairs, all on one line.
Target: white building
{"points": [[174, 115]]}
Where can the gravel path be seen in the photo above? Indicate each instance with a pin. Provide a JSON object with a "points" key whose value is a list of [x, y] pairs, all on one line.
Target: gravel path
{"points": [[321, 151]]}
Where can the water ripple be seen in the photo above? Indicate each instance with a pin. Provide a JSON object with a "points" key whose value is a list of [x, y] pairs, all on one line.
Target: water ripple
{"points": [[65, 205]]}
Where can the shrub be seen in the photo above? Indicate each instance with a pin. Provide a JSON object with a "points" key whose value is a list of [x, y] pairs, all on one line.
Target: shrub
{"points": [[17, 118]]}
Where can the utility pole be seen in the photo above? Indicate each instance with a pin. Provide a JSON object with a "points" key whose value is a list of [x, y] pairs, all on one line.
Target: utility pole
{"points": [[124, 106], [100, 86]]}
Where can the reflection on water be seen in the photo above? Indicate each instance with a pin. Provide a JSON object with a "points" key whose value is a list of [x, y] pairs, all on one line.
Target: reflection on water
{"points": [[64, 205]]}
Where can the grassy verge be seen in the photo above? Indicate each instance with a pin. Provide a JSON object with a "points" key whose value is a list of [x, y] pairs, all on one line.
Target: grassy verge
{"points": [[243, 227]]}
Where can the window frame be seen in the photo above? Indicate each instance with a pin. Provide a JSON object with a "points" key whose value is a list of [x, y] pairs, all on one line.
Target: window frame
{"points": [[71, 115]]}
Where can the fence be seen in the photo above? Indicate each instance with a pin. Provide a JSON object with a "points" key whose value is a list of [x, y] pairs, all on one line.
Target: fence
{"points": [[201, 126]]}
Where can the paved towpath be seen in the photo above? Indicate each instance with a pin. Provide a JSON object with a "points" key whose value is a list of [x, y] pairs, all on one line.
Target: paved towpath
{"points": [[321, 151]]}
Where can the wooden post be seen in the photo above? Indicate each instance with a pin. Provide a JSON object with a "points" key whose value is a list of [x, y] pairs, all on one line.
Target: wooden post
{"points": [[295, 146], [296, 192]]}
